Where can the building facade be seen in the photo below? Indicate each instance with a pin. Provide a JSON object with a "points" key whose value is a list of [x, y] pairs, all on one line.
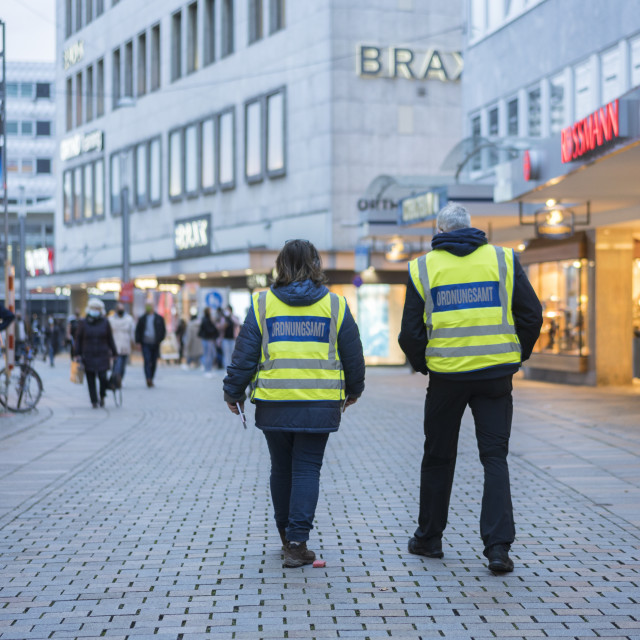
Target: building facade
{"points": [[223, 128], [30, 169], [550, 99]]}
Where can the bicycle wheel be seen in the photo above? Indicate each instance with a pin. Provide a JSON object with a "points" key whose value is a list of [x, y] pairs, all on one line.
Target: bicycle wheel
{"points": [[22, 390]]}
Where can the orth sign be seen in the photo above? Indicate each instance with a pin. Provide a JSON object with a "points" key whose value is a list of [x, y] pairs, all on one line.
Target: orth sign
{"points": [[73, 54], [39, 261], [192, 237], [81, 143], [590, 133], [422, 207], [402, 62]]}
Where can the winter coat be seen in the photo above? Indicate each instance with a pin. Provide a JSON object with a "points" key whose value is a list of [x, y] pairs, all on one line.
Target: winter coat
{"points": [[158, 325], [525, 306], [123, 328], [95, 343], [319, 416], [192, 344], [208, 329]]}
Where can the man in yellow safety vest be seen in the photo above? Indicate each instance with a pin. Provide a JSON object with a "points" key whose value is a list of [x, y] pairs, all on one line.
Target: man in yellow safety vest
{"points": [[470, 319]]}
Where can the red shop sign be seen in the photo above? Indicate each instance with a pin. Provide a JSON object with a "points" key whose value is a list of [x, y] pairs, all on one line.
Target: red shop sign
{"points": [[596, 130]]}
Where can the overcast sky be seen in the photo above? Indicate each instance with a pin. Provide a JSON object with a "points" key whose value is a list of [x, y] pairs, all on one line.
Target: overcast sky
{"points": [[30, 28]]}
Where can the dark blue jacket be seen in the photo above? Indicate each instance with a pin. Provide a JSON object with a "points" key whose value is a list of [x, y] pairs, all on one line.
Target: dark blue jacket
{"points": [[319, 416], [525, 306]]}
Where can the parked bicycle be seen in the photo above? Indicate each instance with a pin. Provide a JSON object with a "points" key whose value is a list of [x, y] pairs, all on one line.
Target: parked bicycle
{"points": [[21, 388]]}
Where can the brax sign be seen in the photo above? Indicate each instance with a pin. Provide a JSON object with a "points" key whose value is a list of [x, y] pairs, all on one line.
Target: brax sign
{"points": [[401, 62], [596, 130], [192, 237]]}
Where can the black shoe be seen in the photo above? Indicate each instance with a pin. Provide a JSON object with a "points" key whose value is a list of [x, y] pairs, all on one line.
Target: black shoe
{"points": [[102, 402], [94, 405], [429, 548], [296, 554], [499, 560], [283, 537]]}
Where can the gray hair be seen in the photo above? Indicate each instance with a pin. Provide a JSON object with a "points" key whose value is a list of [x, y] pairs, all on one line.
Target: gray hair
{"points": [[453, 216]]}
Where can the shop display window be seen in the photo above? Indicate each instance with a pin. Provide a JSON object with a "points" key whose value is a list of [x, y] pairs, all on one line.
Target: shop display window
{"points": [[562, 290]]}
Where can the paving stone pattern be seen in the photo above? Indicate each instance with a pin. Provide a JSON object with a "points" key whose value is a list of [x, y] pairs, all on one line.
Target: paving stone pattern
{"points": [[154, 521]]}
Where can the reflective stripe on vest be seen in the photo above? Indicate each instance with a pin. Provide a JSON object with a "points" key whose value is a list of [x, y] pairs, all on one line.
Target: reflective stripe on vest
{"points": [[477, 340], [286, 372]]}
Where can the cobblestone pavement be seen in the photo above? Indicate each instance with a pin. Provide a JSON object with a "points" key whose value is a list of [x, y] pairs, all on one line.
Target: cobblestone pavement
{"points": [[154, 521]]}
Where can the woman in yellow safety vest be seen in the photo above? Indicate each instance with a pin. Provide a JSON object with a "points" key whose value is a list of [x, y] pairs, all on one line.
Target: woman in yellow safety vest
{"points": [[299, 350]]}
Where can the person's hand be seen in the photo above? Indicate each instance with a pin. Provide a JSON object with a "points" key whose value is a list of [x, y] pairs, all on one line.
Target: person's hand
{"points": [[234, 409], [78, 358], [349, 401]]}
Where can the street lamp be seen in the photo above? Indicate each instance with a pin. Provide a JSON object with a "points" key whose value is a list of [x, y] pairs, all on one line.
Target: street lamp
{"points": [[22, 217]]}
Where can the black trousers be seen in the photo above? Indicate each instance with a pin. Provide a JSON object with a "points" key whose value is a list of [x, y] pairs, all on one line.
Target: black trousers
{"points": [[91, 383], [492, 407]]}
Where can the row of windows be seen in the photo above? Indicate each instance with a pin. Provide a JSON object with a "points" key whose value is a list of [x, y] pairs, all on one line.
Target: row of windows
{"points": [[29, 90], [28, 166], [26, 128], [83, 192], [79, 13], [546, 107], [201, 159], [486, 16], [136, 65]]}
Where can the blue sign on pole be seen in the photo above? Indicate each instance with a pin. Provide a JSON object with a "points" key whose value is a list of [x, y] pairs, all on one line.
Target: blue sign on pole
{"points": [[213, 299]]}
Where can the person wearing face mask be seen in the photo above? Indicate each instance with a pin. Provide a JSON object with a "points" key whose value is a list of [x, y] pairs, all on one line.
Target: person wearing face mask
{"points": [[123, 329], [95, 347], [150, 332]]}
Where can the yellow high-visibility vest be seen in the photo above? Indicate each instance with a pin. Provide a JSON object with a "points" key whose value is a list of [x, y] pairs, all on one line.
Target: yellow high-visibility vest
{"points": [[300, 359], [467, 308]]}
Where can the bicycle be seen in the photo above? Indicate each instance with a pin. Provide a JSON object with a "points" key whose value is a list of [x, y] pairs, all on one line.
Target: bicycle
{"points": [[21, 388]]}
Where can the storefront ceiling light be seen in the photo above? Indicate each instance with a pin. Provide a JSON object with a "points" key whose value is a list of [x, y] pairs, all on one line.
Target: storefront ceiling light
{"points": [[108, 285], [146, 283], [577, 264], [248, 272], [521, 246], [225, 274], [170, 288], [551, 202], [83, 285], [203, 276], [182, 277]]}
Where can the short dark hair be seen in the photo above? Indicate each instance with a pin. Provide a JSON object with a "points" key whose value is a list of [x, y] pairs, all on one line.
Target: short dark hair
{"points": [[299, 260]]}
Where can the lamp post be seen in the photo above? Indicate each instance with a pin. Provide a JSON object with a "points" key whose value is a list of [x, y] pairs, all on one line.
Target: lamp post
{"points": [[22, 217]]}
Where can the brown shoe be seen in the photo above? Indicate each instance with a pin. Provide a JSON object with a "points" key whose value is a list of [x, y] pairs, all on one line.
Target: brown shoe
{"points": [[296, 554], [149, 382]]}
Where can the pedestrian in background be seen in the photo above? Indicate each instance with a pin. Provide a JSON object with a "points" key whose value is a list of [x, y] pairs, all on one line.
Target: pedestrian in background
{"points": [[209, 334], [229, 333], [6, 317], [95, 348], [52, 339], [193, 348], [181, 329], [72, 329], [300, 329], [123, 329], [470, 319], [21, 336], [150, 332]]}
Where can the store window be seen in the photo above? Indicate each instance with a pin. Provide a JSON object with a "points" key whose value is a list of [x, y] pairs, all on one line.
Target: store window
{"points": [[77, 194], [583, 90], [253, 141], [512, 117], [98, 191], [191, 159], [208, 155], [611, 76], [88, 191], [114, 189], [175, 164], [535, 113], [227, 152], [155, 172], [67, 196], [635, 62], [141, 175], [557, 103], [276, 118], [562, 289]]}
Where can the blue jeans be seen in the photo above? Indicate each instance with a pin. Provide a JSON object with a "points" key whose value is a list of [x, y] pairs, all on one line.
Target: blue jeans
{"points": [[150, 353], [120, 365], [209, 354], [296, 460]]}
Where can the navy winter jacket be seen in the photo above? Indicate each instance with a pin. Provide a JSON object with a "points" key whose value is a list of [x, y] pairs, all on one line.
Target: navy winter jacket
{"points": [[319, 416], [526, 308]]}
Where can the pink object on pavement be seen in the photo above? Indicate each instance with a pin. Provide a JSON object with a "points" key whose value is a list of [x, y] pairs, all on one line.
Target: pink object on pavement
{"points": [[319, 563]]}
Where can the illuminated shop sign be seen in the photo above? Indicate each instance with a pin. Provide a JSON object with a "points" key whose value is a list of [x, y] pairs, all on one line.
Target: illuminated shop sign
{"points": [[402, 62], [192, 237], [39, 261], [596, 130], [80, 143], [73, 54], [422, 207]]}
